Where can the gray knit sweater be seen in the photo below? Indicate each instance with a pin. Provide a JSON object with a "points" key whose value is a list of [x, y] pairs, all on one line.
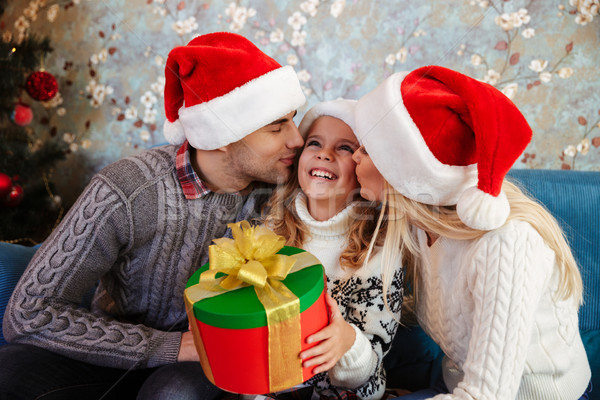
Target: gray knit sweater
{"points": [[134, 231]]}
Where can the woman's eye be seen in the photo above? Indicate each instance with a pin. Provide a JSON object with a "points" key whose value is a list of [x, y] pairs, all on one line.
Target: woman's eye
{"points": [[364, 151]]}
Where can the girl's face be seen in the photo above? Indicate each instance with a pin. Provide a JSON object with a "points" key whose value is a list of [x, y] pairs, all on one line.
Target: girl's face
{"points": [[371, 181], [326, 169]]}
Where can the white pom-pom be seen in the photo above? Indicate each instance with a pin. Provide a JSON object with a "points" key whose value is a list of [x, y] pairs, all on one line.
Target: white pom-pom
{"points": [[482, 211], [173, 132]]}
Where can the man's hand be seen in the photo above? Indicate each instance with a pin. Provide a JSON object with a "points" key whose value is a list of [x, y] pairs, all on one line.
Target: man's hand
{"points": [[187, 350], [336, 339]]}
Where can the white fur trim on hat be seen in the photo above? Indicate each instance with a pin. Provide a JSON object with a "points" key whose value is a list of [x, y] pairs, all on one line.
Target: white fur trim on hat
{"points": [[229, 118], [398, 150], [482, 211], [342, 109], [173, 132]]}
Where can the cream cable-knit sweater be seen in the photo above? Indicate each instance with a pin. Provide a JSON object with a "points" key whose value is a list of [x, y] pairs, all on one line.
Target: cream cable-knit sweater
{"points": [[489, 304], [360, 299]]}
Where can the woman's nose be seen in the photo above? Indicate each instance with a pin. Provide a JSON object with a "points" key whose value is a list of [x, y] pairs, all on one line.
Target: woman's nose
{"points": [[356, 156]]}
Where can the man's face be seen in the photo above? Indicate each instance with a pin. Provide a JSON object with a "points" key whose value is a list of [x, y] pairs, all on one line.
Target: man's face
{"points": [[267, 154]]}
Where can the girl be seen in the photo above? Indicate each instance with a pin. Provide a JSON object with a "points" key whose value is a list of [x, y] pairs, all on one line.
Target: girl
{"points": [[492, 277], [318, 211]]}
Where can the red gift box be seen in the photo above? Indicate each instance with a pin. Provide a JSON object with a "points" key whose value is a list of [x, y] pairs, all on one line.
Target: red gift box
{"points": [[242, 347]]}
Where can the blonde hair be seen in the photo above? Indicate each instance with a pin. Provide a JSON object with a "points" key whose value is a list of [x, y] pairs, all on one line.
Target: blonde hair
{"points": [[404, 213], [280, 215]]}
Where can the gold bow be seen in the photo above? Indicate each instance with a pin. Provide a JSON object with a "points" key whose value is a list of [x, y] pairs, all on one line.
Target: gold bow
{"points": [[250, 259]]}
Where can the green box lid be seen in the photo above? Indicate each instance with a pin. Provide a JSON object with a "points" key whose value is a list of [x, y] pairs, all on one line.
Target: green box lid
{"points": [[241, 309]]}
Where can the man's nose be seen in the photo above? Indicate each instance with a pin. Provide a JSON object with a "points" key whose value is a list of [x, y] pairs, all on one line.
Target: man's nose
{"points": [[295, 139]]}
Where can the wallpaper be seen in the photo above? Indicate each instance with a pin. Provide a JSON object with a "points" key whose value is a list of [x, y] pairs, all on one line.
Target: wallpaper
{"points": [[109, 58]]}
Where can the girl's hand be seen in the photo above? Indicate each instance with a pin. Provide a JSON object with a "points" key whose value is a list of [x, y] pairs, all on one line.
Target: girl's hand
{"points": [[336, 339]]}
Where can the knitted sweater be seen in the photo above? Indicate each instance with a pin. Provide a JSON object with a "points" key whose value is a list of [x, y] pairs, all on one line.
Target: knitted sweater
{"points": [[134, 231], [359, 295], [489, 303]]}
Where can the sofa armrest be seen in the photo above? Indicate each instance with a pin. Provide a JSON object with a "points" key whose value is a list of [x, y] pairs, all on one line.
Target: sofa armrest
{"points": [[14, 259]]}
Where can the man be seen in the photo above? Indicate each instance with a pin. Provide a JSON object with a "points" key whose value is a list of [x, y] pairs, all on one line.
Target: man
{"points": [[143, 226]]}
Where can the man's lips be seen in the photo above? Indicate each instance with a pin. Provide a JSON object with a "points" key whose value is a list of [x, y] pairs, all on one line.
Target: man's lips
{"points": [[288, 160]]}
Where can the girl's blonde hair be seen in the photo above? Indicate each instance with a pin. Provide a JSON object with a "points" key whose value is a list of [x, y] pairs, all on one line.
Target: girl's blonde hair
{"points": [[404, 213], [280, 215]]}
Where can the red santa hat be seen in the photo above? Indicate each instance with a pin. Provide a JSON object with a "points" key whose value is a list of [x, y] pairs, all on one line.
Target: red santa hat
{"points": [[342, 109], [221, 87], [442, 138]]}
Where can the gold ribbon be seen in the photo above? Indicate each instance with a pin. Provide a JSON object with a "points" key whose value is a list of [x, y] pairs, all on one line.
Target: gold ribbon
{"points": [[250, 259]]}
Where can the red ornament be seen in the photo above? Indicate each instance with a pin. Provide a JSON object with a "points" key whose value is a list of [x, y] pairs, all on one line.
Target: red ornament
{"points": [[14, 197], [22, 114], [5, 185], [41, 86]]}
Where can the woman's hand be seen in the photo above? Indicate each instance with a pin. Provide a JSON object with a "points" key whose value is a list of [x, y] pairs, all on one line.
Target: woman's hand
{"points": [[187, 349], [336, 339]]}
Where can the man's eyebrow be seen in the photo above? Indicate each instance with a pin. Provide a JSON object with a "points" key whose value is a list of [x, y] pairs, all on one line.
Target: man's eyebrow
{"points": [[283, 120]]}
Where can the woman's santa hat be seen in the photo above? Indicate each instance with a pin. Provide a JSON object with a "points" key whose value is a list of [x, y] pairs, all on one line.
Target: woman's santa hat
{"points": [[221, 87], [442, 138]]}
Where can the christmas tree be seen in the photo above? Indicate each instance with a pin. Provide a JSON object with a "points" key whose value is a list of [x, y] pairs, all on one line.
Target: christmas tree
{"points": [[29, 208]]}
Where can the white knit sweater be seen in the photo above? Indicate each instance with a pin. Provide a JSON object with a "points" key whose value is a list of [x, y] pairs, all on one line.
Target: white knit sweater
{"points": [[359, 295], [489, 304]]}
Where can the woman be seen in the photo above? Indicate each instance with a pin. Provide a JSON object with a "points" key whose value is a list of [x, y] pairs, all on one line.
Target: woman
{"points": [[493, 280]]}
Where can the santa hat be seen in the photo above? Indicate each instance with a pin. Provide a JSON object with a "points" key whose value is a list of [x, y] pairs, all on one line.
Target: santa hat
{"points": [[442, 138], [342, 109], [221, 87]]}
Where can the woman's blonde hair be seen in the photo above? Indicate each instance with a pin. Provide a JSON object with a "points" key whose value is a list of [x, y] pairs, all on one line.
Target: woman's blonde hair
{"points": [[404, 213], [280, 215]]}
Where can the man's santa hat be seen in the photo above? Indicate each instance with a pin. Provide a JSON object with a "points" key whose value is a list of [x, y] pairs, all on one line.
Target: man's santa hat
{"points": [[221, 87], [442, 138]]}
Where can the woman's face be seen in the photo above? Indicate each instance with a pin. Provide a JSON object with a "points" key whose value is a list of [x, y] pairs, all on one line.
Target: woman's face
{"points": [[372, 183], [326, 169]]}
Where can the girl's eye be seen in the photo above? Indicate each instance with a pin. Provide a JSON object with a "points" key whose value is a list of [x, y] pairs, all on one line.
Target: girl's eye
{"points": [[347, 148], [312, 143]]}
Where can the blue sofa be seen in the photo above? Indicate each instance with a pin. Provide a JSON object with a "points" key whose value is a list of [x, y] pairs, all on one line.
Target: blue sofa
{"points": [[413, 362]]}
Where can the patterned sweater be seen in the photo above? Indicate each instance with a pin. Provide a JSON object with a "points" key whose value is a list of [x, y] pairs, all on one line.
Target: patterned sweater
{"points": [[489, 303], [134, 231], [359, 295]]}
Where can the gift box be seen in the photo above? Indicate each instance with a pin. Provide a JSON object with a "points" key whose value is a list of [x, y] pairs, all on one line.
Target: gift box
{"points": [[251, 308]]}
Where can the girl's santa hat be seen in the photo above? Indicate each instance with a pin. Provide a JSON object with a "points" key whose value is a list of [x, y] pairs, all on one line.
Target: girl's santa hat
{"points": [[342, 109], [442, 138], [221, 87]]}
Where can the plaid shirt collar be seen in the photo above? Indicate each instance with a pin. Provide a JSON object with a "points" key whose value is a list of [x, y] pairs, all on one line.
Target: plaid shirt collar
{"points": [[192, 185]]}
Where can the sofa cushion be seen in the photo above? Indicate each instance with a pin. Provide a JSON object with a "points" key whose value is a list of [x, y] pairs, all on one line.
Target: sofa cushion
{"points": [[13, 261], [591, 341], [573, 198]]}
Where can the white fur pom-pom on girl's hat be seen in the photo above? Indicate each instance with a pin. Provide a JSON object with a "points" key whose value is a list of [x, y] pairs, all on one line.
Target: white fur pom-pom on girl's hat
{"points": [[342, 109], [442, 138], [220, 87]]}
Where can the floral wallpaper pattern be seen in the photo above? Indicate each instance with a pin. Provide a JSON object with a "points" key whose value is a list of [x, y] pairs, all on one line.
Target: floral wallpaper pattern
{"points": [[109, 59]]}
